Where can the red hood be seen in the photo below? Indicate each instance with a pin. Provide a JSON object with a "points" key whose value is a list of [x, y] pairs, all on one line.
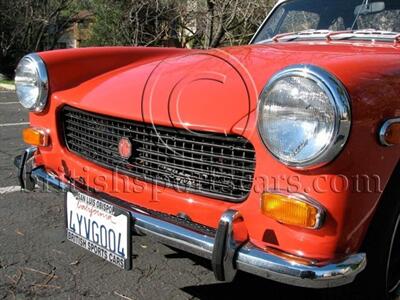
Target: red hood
{"points": [[217, 90]]}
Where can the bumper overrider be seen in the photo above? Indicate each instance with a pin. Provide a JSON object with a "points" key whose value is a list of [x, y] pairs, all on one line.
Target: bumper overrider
{"points": [[226, 252]]}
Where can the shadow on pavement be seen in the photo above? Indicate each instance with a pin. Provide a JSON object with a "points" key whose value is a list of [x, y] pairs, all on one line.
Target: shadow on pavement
{"points": [[246, 285]]}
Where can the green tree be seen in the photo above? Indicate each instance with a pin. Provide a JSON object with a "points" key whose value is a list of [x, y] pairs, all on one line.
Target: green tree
{"points": [[31, 25], [124, 22], [181, 23]]}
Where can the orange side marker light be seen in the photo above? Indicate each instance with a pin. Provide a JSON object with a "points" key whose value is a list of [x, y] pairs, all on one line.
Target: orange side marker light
{"points": [[35, 136]]}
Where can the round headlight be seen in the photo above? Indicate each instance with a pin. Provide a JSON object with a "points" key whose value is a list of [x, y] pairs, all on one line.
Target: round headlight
{"points": [[304, 116], [31, 82]]}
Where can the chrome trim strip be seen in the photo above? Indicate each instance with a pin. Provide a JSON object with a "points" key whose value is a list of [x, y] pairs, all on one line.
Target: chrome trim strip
{"points": [[385, 126], [340, 100], [25, 164], [41, 176], [173, 235], [226, 247], [255, 261], [248, 258]]}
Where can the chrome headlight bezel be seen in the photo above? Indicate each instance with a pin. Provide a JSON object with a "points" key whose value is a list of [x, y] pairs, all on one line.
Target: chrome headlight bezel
{"points": [[42, 83], [339, 99]]}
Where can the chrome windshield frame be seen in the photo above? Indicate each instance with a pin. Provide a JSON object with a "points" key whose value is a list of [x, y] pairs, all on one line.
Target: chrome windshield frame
{"points": [[279, 3]]}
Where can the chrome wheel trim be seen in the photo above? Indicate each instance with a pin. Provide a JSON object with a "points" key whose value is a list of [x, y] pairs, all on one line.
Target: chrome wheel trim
{"points": [[395, 237]]}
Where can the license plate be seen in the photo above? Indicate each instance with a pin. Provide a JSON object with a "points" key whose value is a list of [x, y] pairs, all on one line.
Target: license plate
{"points": [[99, 227]]}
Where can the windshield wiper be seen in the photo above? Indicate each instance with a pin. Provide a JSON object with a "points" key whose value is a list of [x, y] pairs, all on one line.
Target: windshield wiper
{"points": [[335, 35], [291, 36], [303, 34], [372, 34]]}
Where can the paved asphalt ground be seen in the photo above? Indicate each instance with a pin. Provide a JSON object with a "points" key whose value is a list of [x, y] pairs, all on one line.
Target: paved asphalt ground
{"points": [[36, 261]]}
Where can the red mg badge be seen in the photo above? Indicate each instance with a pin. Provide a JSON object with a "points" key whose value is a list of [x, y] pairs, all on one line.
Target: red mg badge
{"points": [[125, 148]]}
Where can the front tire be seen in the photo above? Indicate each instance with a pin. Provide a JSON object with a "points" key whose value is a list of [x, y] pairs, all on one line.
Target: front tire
{"points": [[381, 278], [393, 267]]}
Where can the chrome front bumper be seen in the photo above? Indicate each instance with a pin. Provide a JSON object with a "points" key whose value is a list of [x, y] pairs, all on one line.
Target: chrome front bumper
{"points": [[226, 254]]}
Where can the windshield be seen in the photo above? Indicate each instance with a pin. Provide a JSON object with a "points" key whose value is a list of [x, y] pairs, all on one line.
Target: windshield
{"points": [[337, 15]]}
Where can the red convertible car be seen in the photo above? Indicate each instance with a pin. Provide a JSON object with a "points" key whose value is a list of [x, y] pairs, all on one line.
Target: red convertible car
{"points": [[279, 158]]}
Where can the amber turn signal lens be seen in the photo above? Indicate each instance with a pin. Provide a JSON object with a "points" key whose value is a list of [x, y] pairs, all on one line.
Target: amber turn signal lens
{"points": [[35, 137], [289, 210], [392, 135]]}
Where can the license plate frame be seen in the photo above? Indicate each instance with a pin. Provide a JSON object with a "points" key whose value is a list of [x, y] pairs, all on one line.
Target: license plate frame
{"points": [[97, 249]]}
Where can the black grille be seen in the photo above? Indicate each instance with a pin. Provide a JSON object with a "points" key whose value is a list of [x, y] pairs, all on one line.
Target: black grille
{"points": [[216, 165]]}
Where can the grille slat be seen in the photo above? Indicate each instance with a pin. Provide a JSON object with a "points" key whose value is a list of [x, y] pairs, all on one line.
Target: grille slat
{"points": [[168, 130], [216, 165], [242, 150], [193, 163], [194, 170]]}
